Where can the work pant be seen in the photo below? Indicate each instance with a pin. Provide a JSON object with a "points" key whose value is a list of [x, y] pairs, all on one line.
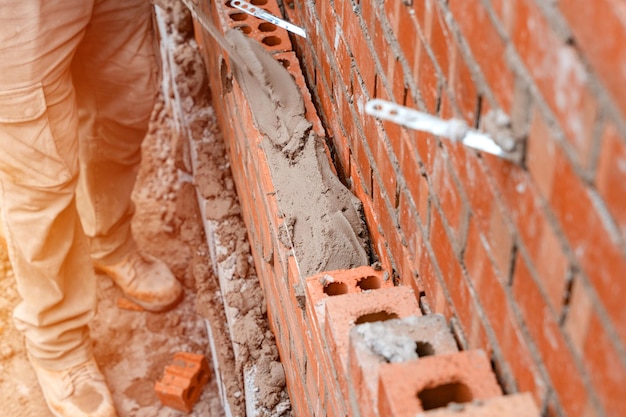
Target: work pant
{"points": [[78, 80]]}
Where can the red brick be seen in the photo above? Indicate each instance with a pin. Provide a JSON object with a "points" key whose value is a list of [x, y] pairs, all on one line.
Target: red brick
{"points": [[381, 47], [406, 389], [607, 369], [426, 146], [578, 316], [182, 381], [516, 405], [558, 73], [450, 200], [520, 197], [392, 12], [541, 154], [387, 171], [320, 287], [475, 183], [428, 275], [500, 240], [348, 281], [444, 253], [497, 307], [346, 311], [329, 23], [600, 31], [611, 174], [487, 47], [273, 38], [409, 165], [356, 41], [419, 9], [440, 38], [373, 344], [398, 84], [424, 204], [342, 58], [504, 10], [552, 266], [364, 166], [409, 225], [407, 34], [544, 330], [600, 258], [427, 81], [463, 87]]}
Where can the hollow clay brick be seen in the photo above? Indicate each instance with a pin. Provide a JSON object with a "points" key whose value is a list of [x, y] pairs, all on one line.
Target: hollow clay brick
{"points": [[406, 389], [345, 311], [273, 38], [363, 278], [275, 41], [396, 340], [516, 405], [321, 287], [183, 381]]}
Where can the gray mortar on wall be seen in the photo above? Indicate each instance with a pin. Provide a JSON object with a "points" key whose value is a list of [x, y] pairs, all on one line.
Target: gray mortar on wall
{"points": [[328, 230]]}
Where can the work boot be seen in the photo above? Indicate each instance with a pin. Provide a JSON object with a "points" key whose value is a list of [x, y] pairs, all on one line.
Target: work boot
{"points": [[145, 280], [79, 391]]}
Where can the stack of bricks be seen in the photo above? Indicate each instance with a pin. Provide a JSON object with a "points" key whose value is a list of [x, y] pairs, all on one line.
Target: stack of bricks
{"points": [[524, 261]]}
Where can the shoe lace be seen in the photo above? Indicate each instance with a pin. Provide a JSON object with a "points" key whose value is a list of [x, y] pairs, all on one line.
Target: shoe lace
{"points": [[81, 374], [137, 263], [135, 260]]}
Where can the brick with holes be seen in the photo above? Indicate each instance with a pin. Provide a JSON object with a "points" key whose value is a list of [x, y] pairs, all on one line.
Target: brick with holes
{"points": [[183, 381], [516, 405], [392, 341], [326, 286], [345, 311], [321, 287], [408, 388]]}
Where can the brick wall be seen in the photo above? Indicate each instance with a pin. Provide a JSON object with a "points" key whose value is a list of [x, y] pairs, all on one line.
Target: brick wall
{"points": [[526, 262]]}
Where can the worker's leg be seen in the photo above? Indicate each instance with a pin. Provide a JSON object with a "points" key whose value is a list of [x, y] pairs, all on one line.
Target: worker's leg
{"points": [[38, 176], [116, 74], [115, 71]]}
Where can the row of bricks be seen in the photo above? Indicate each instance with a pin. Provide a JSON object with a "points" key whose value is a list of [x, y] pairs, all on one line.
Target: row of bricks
{"points": [[483, 208], [367, 283], [542, 266], [258, 198], [374, 336]]}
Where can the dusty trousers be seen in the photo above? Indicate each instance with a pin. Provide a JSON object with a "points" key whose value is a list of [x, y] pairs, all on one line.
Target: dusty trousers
{"points": [[78, 79]]}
